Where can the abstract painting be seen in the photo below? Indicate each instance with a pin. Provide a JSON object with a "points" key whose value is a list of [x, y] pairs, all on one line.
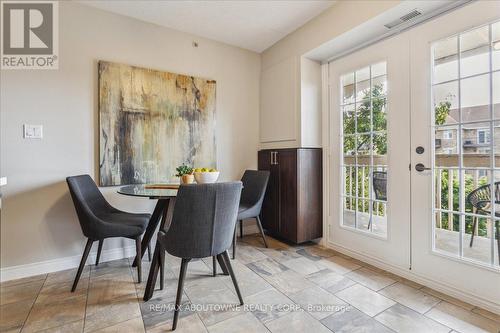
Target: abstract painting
{"points": [[152, 121]]}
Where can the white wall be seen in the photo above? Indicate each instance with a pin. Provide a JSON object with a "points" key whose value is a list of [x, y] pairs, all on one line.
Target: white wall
{"points": [[38, 222], [289, 81], [310, 103]]}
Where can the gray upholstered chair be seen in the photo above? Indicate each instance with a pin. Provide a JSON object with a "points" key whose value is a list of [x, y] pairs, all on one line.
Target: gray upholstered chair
{"points": [[202, 226], [99, 220], [252, 196]]}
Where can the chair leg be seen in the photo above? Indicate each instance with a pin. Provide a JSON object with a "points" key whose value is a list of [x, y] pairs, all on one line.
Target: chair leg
{"points": [[149, 252], [88, 246], [214, 266], [259, 224], [139, 261], [180, 286], [99, 249], [162, 266], [473, 229], [234, 243], [225, 257], [241, 228]]}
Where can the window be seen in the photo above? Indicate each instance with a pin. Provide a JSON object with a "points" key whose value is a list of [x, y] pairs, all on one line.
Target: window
{"points": [[448, 135], [483, 136], [364, 146], [466, 97]]}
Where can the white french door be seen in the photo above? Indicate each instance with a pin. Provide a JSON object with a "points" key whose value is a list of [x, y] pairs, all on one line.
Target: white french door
{"points": [[369, 126], [414, 142], [455, 117]]}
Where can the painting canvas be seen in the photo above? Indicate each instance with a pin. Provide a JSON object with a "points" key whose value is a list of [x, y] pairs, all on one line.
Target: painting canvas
{"points": [[152, 121]]}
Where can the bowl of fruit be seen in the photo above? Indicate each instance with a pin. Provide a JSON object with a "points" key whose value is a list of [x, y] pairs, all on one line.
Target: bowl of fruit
{"points": [[206, 175]]}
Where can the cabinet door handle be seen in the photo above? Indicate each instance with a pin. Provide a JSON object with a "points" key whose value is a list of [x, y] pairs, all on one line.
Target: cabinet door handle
{"points": [[276, 157], [271, 158]]}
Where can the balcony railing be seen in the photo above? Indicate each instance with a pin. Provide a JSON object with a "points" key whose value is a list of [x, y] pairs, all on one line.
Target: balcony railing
{"points": [[475, 162]]}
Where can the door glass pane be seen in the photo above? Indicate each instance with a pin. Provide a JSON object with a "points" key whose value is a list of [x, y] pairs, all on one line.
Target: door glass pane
{"points": [[446, 147], [365, 150], [496, 95], [495, 34], [348, 88], [362, 84], [446, 103], [379, 114], [348, 119], [475, 98], [363, 116], [474, 52], [476, 145], [446, 189], [447, 236], [467, 145], [446, 60], [349, 214]]}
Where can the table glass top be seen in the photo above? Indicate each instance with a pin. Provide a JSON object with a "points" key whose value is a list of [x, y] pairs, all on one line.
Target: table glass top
{"points": [[149, 190]]}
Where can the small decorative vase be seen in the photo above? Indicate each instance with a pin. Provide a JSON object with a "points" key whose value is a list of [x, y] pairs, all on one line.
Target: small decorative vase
{"points": [[187, 179]]}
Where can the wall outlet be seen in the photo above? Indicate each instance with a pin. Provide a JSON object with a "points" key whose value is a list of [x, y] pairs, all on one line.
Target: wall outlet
{"points": [[33, 131]]}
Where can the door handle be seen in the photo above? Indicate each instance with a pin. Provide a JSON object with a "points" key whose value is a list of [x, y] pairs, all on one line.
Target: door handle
{"points": [[420, 167], [273, 157], [276, 157]]}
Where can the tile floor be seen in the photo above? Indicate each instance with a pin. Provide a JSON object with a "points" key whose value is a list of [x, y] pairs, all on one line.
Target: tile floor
{"points": [[286, 289]]}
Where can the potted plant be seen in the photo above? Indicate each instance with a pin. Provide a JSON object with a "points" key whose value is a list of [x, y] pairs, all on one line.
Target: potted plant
{"points": [[185, 173]]}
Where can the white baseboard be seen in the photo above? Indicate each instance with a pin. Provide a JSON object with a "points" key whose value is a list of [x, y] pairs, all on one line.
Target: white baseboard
{"points": [[55, 265], [59, 264], [410, 275]]}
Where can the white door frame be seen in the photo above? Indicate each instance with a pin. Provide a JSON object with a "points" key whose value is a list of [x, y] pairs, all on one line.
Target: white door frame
{"points": [[474, 292]]}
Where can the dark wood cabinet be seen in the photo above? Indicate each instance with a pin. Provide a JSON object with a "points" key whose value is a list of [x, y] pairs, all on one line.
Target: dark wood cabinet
{"points": [[293, 205]]}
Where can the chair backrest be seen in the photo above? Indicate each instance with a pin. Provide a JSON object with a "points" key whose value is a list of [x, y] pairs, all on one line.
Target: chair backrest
{"points": [[88, 201], [380, 185], [254, 187], [203, 220], [480, 198]]}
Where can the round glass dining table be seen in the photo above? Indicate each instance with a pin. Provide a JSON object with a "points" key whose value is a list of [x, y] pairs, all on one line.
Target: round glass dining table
{"points": [[150, 191], [162, 215]]}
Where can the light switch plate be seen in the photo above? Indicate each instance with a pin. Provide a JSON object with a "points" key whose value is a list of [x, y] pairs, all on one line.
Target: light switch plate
{"points": [[33, 131]]}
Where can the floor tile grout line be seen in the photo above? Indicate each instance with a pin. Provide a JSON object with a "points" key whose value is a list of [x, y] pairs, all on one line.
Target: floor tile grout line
{"points": [[33, 305], [417, 290], [422, 314], [372, 317], [426, 312]]}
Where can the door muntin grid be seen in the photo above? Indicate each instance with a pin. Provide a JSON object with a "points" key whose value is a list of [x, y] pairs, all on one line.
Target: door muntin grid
{"points": [[466, 153], [364, 148]]}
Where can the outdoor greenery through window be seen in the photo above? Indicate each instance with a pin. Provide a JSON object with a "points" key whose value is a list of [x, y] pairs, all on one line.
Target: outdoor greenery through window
{"points": [[364, 146], [466, 108]]}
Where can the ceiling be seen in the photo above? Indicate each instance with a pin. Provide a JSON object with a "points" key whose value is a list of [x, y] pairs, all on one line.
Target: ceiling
{"points": [[252, 25]]}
